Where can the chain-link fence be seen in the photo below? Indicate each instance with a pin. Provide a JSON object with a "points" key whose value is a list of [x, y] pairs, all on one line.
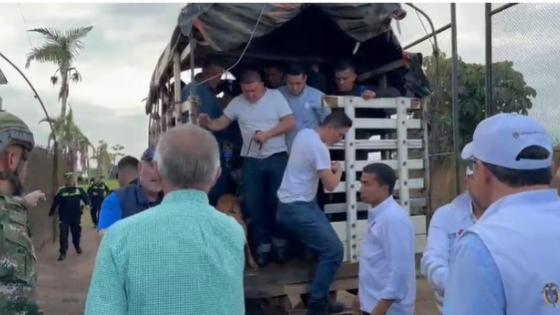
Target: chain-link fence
{"points": [[525, 47]]}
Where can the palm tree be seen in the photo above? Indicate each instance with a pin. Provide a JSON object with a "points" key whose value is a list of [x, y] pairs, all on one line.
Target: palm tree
{"points": [[60, 48], [104, 158], [71, 140]]}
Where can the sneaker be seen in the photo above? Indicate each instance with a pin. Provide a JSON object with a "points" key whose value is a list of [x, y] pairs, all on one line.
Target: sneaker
{"points": [[78, 250], [62, 256]]}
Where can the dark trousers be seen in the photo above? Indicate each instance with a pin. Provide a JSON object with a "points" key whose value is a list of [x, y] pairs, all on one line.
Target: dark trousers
{"points": [[95, 209], [65, 228], [261, 180], [311, 226]]}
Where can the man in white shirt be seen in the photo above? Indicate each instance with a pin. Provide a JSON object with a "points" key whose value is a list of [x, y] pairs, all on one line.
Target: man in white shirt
{"points": [[508, 262], [264, 118], [387, 279], [298, 211], [446, 226]]}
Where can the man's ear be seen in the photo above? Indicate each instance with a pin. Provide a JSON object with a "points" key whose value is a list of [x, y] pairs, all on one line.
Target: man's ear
{"points": [[13, 160], [218, 174]]}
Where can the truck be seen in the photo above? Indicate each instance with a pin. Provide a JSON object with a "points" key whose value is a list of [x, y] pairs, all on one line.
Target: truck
{"points": [[316, 35]]}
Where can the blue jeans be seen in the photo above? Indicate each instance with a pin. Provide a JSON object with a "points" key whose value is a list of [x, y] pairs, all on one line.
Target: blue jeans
{"points": [[261, 180], [311, 226]]}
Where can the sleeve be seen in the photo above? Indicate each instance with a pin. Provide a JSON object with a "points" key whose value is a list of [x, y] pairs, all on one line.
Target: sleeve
{"points": [[321, 157], [107, 292], [474, 285], [56, 201], [435, 260], [84, 196], [231, 110], [400, 258], [282, 107], [110, 212]]}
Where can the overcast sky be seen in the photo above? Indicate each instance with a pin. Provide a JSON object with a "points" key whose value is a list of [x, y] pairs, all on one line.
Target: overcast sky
{"points": [[122, 49]]}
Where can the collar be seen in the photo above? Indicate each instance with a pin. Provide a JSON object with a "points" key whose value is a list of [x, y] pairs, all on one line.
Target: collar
{"points": [[190, 195], [374, 213], [534, 197]]}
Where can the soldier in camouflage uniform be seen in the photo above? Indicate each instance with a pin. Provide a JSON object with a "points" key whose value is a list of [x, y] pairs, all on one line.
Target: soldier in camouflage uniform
{"points": [[17, 254]]}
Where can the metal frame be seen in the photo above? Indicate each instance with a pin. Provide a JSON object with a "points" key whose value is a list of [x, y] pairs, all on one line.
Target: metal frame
{"points": [[351, 190]]}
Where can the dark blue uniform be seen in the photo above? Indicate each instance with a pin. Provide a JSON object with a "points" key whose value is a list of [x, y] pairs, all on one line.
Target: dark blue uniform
{"points": [[69, 212], [97, 193]]}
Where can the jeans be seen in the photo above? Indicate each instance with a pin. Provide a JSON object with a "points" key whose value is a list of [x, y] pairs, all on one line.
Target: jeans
{"points": [[66, 227], [261, 180], [311, 226]]}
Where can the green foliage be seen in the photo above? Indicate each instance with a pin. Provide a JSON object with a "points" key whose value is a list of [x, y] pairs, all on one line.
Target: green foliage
{"points": [[511, 94]]}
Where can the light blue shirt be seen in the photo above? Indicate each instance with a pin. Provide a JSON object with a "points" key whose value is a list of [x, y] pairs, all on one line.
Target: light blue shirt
{"points": [[308, 110], [181, 257], [387, 264], [474, 285], [447, 224]]}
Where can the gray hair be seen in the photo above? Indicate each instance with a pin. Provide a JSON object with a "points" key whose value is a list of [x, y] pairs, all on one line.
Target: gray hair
{"points": [[187, 156]]}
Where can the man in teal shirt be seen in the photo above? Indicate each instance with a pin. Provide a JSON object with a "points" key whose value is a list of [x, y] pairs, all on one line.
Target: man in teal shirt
{"points": [[181, 257]]}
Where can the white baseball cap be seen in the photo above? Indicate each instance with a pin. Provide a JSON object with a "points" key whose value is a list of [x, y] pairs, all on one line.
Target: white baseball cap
{"points": [[499, 139]]}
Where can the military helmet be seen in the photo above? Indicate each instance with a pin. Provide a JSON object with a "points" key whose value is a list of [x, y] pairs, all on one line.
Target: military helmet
{"points": [[14, 131]]}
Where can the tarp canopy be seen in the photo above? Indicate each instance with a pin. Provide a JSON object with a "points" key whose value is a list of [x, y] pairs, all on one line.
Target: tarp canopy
{"points": [[313, 33]]}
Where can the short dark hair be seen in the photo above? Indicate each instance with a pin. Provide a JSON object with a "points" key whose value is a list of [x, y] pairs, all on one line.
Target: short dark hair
{"points": [[337, 119], [295, 69], [384, 174], [344, 65], [127, 162], [276, 65], [250, 76], [213, 61], [521, 178]]}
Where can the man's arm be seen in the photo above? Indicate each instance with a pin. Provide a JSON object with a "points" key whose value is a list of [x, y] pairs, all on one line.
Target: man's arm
{"points": [[474, 285], [214, 124], [330, 178], [286, 124], [399, 250], [110, 212], [55, 203], [107, 293], [435, 260]]}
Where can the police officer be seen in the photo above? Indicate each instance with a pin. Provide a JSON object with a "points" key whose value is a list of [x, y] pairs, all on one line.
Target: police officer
{"points": [[97, 192], [68, 200], [508, 262], [17, 254], [446, 226]]}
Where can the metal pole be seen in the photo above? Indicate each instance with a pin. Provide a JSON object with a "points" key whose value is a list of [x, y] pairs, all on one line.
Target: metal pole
{"points": [[455, 93], [489, 90], [55, 142], [423, 38]]}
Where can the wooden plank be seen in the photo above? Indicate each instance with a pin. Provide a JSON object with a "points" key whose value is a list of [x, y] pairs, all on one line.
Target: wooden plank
{"points": [[413, 183], [381, 123], [341, 207], [416, 164], [419, 222], [385, 144]]}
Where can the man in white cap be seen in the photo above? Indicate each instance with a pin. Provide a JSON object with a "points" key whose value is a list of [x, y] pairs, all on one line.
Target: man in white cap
{"points": [[446, 226], [508, 262]]}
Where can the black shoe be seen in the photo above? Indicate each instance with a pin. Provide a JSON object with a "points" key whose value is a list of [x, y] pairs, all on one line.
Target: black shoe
{"points": [[280, 255], [335, 307], [318, 307], [78, 250], [62, 256], [263, 259]]}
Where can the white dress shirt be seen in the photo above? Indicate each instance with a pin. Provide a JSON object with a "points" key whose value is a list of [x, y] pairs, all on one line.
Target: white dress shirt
{"points": [[387, 265], [447, 224]]}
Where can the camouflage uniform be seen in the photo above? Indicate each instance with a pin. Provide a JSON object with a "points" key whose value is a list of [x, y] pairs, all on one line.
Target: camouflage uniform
{"points": [[17, 254]]}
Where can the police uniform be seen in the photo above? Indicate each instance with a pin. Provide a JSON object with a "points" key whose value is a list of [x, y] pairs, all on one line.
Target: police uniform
{"points": [[508, 262], [68, 200], [17, 255], [97, 192]]}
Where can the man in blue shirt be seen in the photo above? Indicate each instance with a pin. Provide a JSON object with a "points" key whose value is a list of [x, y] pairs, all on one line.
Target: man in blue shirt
{"points": [[229, 139], [305, 102], [507, 263], [135, 198]]}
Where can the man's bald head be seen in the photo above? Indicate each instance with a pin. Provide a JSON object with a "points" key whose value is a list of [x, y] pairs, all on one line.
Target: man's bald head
{"points": [[188, 157]]}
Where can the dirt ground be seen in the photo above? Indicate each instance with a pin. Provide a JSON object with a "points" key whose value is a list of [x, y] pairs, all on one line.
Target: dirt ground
{"points": [[62, 286]]}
